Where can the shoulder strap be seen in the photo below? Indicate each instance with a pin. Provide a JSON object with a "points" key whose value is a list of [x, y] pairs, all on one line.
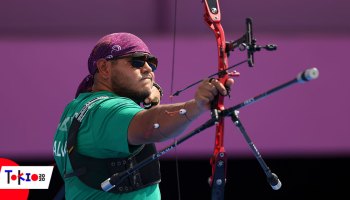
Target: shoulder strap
{"points": [[74, 127]]}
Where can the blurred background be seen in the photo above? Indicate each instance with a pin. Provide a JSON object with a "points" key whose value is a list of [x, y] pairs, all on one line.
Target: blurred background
{"points": [[302, 132]]}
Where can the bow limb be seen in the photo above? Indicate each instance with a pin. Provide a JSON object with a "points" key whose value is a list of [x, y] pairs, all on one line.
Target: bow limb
{"points": [[218, 161]]}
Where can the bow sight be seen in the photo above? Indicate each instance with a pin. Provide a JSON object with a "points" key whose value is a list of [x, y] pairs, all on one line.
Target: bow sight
{"points": [[248, 42]]}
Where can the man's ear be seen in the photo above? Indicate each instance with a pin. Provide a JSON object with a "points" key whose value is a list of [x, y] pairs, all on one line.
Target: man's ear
{"points": [[102, 67]]}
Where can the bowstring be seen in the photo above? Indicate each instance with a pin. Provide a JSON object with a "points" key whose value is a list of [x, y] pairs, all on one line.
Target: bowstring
{"points": [[171, 99]]}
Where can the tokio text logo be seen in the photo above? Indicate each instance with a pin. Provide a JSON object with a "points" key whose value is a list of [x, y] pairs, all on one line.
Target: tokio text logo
{"points": [[25, 177]]}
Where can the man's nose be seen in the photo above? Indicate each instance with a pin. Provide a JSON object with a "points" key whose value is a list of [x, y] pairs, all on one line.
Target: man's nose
{"points": [[146, 68]]}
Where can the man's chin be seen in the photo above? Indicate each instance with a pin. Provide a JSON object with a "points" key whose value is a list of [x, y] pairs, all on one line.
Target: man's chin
{"points": [[142, 96], [148, 83]]}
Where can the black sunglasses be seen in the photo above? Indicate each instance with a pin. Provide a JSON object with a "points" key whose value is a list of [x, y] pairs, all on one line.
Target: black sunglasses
{"points": [[138, 60]]}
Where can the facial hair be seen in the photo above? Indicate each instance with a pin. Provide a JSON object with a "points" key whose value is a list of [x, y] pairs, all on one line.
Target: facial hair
{"points": [[121, 88]]}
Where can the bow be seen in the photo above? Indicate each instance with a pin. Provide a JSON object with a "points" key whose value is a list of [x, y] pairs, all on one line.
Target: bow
{"points": [[218, 161]]}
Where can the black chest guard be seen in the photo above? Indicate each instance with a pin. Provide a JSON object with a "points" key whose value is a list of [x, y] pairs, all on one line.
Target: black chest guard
{"points": [[93, 171]]}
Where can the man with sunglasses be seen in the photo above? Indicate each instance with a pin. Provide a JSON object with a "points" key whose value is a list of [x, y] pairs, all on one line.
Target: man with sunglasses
{"points": [[104, 130]]}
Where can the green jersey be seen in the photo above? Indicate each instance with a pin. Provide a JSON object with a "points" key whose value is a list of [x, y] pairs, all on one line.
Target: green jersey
{"points": [[102, 134]]}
